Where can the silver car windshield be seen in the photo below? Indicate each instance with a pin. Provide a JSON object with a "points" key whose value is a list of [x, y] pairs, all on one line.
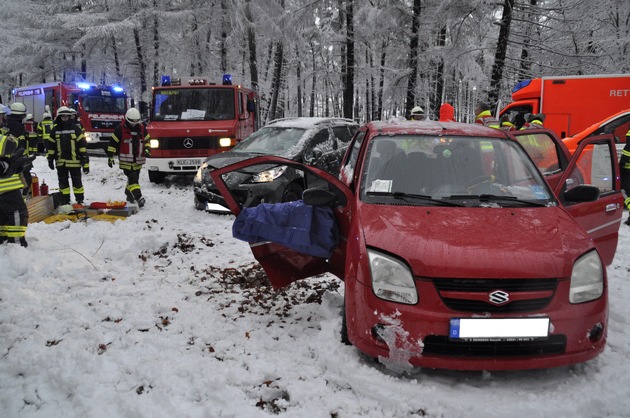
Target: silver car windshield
{"points": [[469, 171], [271, 140]]}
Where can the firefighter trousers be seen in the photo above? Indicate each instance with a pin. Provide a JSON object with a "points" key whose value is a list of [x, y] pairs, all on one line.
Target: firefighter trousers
{"points": [[132, 189], [625, 185], [64, 174], [13, 217]]}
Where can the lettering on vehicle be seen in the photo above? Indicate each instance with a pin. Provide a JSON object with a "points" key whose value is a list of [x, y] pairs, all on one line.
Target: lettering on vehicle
{"points": [[31, 92], [105, 116], [620, 93]]}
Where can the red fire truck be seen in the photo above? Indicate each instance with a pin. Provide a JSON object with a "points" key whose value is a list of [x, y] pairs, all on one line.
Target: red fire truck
{"points": [[99, 108], [193, 119]]}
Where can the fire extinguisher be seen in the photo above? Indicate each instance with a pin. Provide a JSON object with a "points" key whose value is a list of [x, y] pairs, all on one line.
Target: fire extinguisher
{"points": [[43, 189], [34, 185]]}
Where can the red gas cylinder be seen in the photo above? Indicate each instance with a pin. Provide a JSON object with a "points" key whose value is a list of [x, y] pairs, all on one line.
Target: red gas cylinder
{"points": [[43, 189], [34, 185]]}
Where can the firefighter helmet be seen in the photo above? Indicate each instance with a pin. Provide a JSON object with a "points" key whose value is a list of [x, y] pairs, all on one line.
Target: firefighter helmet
{"points": [[133, 116], [417, 111], [18, 108], [64, 111], [29, 117], [4, 110], [46, 115]]}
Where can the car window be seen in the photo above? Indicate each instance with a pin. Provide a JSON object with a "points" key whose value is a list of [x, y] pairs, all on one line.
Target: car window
{"points": [[342, 133], [351, 161], [542, 150], [271, 140], [593, 168], [323, 141]]}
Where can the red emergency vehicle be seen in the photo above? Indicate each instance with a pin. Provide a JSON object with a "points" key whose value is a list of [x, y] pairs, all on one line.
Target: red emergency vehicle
{"points": [[99, 108], [193, 119], [572, 103]]}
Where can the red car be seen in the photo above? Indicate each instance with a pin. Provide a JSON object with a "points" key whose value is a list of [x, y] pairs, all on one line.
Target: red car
{"points": [[455, 251]]}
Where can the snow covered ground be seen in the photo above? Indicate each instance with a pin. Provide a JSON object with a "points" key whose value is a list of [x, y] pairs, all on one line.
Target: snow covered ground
{"points": [[166, 315]]}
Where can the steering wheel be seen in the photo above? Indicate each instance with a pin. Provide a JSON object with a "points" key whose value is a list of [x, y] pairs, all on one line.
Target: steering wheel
{"points": [[484, 181]]}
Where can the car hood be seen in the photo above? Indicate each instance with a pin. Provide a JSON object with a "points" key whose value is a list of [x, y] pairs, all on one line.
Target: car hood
{"points": [[477, 242]]}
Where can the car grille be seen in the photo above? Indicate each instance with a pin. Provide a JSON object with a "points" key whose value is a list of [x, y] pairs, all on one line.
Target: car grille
{"points": [[442, 345], [473, 295], [177, 143]]}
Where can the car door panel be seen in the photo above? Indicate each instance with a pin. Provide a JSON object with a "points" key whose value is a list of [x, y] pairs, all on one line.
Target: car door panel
{"points": [[594, 163], [283, 265]]}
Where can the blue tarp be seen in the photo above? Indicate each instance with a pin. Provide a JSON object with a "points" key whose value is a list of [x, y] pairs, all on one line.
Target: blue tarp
{"points": [[303, 228]]}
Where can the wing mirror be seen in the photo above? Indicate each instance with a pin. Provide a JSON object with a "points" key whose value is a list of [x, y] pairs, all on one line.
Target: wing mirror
{"points": [[582, 193], [319, 197]]}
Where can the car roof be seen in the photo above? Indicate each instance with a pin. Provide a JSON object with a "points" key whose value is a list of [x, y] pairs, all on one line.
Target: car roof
{"points": [[308, 123], [402, 127]]}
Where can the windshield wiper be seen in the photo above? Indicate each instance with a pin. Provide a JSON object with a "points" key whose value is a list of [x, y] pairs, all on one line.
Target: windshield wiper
{"points": [[495, 198], [405, 196]]}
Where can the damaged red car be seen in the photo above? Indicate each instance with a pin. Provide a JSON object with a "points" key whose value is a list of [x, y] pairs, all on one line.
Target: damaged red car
{"points": [[455, 251]]}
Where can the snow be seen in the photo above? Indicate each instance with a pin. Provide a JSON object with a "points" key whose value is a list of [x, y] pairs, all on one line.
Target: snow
{"points": [[164, 314]]}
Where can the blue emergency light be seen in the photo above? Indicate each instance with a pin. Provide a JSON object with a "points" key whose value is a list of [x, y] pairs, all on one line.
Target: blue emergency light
{"points": [[520, 85], [83, 86], [118, 89], [227, 79], [166, 80]]}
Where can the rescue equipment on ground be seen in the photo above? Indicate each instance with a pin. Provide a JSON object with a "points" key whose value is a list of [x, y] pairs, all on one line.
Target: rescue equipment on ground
{"points": [[34, 185]]}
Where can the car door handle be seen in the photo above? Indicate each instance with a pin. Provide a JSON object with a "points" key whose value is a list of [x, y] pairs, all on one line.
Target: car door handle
{"points": [[612, 207]]}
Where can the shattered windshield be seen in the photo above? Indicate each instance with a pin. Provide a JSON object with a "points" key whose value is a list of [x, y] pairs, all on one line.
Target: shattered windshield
{"points": [[271, 140], [193, 104], [471, 171]]}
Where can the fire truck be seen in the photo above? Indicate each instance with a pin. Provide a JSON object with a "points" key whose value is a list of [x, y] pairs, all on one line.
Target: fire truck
{"points": [[571, 103], [99, 108], [193, 119]]}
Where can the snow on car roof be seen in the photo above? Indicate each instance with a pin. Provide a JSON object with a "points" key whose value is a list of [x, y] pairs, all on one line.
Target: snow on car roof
{"points": [[305, 122], [398, 127]]}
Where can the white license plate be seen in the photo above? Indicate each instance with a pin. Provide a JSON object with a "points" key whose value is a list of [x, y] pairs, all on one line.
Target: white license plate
{"points": [[502, 328], [188, 162]]}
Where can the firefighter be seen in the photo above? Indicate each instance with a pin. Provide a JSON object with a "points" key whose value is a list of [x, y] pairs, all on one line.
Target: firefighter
{"points": [[13, 210], [74, 117], [68, 148], [447, 112], [624, 164], [15, 126], [3, 113], [43, 131], [506, 125], [484, 117], [534, 122], [30, 126], [130, 141], [417, 113]]}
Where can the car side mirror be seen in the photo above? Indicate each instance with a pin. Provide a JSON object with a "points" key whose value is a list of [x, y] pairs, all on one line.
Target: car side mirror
{"points": [[319, 197], [582, 193]]}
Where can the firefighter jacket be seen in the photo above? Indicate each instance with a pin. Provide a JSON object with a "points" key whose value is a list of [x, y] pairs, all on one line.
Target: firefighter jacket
{"points": [[131, 144], [535, 124], [43, 130], [8, 145], [67, 145], [624, 162], [507, 126], [16, 129], [31, 133], [485, 118]]}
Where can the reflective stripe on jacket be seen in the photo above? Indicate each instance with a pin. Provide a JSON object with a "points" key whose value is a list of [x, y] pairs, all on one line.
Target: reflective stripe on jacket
{"points": [[485, 118], [129, 143], [8, 145], [67, 145]]}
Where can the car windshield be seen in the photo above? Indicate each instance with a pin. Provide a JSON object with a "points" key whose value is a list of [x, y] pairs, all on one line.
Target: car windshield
{"points": [[104, 104], [469, 171], [193, 104], [271, 140]]}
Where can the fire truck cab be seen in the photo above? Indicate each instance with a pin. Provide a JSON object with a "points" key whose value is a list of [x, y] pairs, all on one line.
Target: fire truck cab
{"points": [[193, 119], [99, 108]]}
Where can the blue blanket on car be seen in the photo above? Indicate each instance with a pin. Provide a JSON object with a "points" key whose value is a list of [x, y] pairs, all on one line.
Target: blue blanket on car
{"points": [[303, 228]]}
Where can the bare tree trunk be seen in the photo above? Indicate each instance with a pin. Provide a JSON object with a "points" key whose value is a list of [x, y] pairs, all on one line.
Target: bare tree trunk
{"points": [[298, 75], [156, 47], [413, 58], [368, 102], [311, 111], [499, 57], [381, 81], [141, 64], [439, 74], [348, 96], [526, 64], [276, 83], [251, 43], [224, 11]]}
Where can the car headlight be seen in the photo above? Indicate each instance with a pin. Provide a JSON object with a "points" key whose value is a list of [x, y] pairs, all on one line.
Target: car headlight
{"points": [[269, 175], [391, 279], [587, 279]]}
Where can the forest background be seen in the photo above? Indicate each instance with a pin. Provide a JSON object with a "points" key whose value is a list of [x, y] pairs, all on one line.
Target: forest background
{"points": [[362, 59]]}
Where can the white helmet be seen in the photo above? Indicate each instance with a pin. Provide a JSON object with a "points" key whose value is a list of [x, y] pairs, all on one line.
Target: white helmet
{"points": [[46, 115], [18, 108], [417, 111], [133, 116], [64, 110], [29, 117]]}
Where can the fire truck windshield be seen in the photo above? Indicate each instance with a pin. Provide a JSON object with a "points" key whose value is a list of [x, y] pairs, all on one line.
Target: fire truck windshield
{"points": [[212, 103], [104, 104]]}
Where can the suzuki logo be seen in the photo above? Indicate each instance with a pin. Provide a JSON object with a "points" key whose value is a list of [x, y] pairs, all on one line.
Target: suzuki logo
{"points": [[188, 143], [499, 297]]}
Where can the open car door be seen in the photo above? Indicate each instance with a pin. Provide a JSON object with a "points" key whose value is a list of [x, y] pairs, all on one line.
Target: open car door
{"points": [[283, 265], [595, 163]]}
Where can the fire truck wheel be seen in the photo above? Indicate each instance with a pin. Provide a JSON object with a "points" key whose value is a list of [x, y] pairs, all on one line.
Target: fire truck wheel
{"points": [[156, 177]]}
